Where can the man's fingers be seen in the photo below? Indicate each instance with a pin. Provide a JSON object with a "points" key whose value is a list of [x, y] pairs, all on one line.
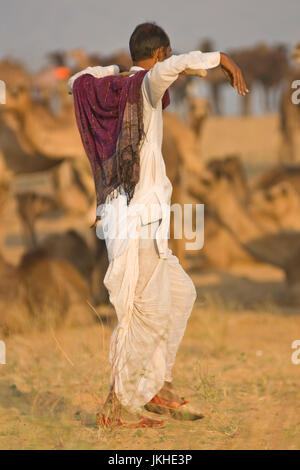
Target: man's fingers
{"points": [[230, 78], [235, 81], [240, 83], [228, 75], [244, 87], [234, 75]]}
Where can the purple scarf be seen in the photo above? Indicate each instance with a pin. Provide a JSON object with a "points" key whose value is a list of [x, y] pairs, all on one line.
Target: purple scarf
{"points": [[109, 116]]}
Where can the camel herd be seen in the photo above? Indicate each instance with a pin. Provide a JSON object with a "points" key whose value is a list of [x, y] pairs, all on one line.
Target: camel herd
{"points": [[59, 277], [263, 220]]}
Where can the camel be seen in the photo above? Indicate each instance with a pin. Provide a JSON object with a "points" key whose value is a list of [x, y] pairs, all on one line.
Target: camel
{"points": [[74, 187], [182, 160], [71, 246], [260, 64], [4, 193], [290, 125], [49, 136], [41, 292], [290, 121], [215, 235], [186, 141], [16, 150], [184, 167], [121, 58], [30, 207], [277, 206], [220, 249], [290, 116], [276, 195], [199, 110], [279, 174], [31, 140], [231, 167], [90, 260], [49, 89], [279, 248], [78, 59], [273, 202]]}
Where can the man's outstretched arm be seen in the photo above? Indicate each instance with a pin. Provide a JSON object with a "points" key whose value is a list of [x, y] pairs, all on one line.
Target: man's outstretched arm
{"points": [[164, 73], [233, 74], [97, 71]]}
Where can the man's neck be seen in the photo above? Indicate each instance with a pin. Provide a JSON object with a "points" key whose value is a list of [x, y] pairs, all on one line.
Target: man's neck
{"points": [[146, 64]]}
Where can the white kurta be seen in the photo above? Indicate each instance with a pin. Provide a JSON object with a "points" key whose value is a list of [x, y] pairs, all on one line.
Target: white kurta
{"points": [[152, 295]]}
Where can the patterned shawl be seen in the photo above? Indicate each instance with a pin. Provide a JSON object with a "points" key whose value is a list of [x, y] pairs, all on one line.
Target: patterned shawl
{"points": [[109, 116]]}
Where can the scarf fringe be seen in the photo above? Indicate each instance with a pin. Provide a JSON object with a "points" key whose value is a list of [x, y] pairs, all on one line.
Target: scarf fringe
{"points": [[112, 195]]}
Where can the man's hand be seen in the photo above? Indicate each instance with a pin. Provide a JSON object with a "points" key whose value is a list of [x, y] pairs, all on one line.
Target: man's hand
{"points": [[233, 74], [122, 68]]}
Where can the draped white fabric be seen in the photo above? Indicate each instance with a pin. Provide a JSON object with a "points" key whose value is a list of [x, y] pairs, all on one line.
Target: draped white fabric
{"points": [[153, 298]]}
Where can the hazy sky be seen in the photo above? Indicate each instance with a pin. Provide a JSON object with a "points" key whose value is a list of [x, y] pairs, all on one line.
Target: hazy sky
{"points": [[29, 28]]}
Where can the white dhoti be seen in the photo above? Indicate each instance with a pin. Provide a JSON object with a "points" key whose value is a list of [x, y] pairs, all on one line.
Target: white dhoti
{"points": [[153, 298]]}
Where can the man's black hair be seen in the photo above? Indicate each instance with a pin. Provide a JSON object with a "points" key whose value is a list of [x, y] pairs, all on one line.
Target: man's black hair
{"points": [[145, 39]]}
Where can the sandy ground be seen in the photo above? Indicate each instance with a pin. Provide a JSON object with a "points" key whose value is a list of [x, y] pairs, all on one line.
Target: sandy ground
{"points": [[234, 364]]}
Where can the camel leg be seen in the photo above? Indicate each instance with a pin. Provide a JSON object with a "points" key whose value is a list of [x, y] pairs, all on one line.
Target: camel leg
{"points": [[99, 291], [178, 245], [216, 97]]}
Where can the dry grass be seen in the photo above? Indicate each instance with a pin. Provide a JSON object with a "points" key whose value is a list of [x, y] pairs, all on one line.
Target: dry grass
{"points": [[234, 364]]}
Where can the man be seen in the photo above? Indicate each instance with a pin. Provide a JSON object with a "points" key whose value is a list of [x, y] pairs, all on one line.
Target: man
{"points": [[120, 121]]}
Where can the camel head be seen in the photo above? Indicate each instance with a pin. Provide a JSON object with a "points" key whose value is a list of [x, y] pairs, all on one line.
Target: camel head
{"points": [[79, 57], [231, 167], [32, 205], [17, 82], [199, 106], [199, 110], [214, 187], [278, 202], [17, 99], [296, 54]]}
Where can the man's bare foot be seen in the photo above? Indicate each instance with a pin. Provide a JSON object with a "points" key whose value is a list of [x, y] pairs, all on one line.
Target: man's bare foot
{"points": [[110, 415]]}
